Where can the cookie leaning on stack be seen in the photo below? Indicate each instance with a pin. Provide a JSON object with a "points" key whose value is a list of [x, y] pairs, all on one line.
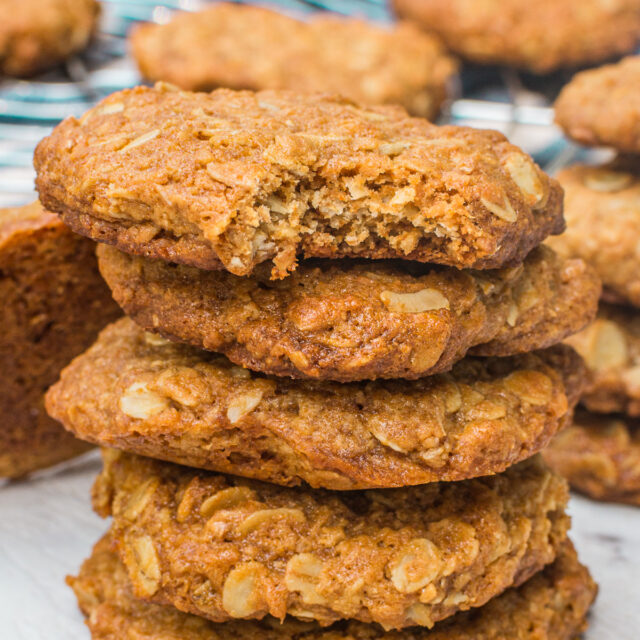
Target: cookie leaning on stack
{"points": [[54, 305], [600, 453], [233, 181]]}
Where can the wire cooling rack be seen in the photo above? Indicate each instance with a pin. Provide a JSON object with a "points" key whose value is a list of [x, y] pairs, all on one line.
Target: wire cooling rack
{"points": [[517, 104]]}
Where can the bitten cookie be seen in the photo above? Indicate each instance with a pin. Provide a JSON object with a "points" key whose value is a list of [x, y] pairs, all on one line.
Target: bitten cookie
{"points": [[35, 35], [232, 179], [138, 392], [611, 349], [54, 302], [346, 320], [600, 457], [540, 36], [602, 208], [245, 47], [600, 106], [227, 548], [550, 606]]}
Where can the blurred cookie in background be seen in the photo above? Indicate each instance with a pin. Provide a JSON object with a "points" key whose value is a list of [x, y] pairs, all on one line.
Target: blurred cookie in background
{"points": [[245, 47], [537, 36], [36, 35]]}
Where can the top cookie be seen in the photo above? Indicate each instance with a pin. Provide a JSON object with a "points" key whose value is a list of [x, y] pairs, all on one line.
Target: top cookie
{"points": [[244, 47], [38, 34], [600, 106], [539, 36], [231, 179]]}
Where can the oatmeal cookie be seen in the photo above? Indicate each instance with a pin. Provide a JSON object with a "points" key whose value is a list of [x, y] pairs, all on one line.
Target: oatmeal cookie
{"points": [[53, 305], [611, 349], [244, 47], [228, 548], [600, 106], [550, 606], [347, 320], [600, 457], [234, 178], [602, 208], [539, 36], [138, 392], [38, 34]]}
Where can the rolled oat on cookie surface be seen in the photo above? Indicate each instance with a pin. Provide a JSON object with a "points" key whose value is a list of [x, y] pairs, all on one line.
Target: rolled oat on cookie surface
{"points": [[552, 605], [137, 392], [231, 179], [349, 320], [229, 548]]}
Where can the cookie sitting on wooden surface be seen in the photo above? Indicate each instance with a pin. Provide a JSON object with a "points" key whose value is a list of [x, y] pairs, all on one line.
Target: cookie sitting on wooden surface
{"points": [[232, 179], [248, 47]]}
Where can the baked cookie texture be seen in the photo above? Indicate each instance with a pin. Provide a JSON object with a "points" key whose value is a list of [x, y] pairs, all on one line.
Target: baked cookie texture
{"points": [[227, 548], [600, 106], [36, 35], [138, 392], [54, 302], [600, 457], [518, 33], [232, 179], [245, 47], [550, 606], [347, 320], [611, 349], [602, 209]]}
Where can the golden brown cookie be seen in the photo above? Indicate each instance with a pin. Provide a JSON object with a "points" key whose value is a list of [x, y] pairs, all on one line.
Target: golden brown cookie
{"points": [[550, 606], [244, 47], [540, 36], [611, 349], [38, 34], [600, 457], [602, 209], [600, 106], [138, 392], [228, 548], [232, 179], [346, 320], [54, 302]]}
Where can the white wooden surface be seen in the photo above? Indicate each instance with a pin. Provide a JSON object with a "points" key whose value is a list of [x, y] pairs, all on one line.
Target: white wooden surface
{"points": [[47, 528]]}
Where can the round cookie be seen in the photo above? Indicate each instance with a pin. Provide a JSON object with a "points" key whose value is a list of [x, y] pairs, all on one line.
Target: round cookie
{"points": [[234, 178], [600, 457], [138, 392], [36, 35], [600, 106], [227, 548], [248, 47], [539, 36], [346, 321], [550, 606], [54, 302], [611, 349], [602, 209]]}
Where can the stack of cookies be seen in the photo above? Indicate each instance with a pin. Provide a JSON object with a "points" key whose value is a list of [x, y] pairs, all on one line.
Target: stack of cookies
{"points": [[340, 360], [600, 454]]}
